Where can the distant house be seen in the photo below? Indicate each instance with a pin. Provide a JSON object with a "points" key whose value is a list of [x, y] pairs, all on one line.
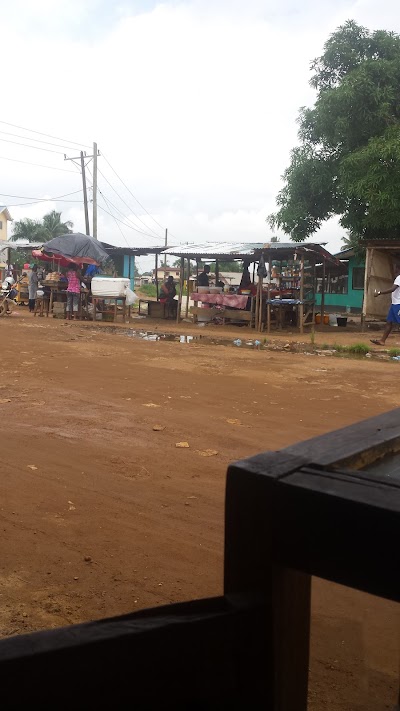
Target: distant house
{"points": [[230, 278], [143, 280], [5, 218], [344, 285], [164, 272]]}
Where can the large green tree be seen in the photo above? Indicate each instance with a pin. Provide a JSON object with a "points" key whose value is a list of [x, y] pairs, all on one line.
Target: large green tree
{"points": [[41, 230], [348, 160]]}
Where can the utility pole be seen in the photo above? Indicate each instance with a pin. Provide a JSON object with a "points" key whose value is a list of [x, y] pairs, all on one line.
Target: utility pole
{"points": [[95, 190], [85, 201], [81, 158], [166, 245]]}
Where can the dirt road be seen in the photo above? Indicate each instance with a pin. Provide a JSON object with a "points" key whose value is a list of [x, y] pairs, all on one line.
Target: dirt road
{"points": [[100, 514]]}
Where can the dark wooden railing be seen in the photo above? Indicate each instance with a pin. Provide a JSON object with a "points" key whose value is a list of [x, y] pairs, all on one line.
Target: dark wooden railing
{"points": [[320, 508]]}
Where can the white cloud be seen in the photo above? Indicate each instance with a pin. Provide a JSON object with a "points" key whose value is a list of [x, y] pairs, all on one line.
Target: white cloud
{"points": [[194, 103]]}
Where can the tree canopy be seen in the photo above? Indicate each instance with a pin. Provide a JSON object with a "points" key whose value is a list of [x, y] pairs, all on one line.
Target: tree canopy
{"points": [[348, 160], [41, 230]]}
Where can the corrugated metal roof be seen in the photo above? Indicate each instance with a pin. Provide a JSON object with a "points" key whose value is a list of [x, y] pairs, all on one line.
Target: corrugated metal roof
{"points": [[135, 251], [240, 250], [215, 249], [21, 244]]}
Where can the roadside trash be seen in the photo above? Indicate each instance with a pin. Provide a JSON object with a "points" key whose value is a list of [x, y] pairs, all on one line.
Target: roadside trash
{"points": [[205, 453], [237, 342], [396, 358], [257, 343], [182, 445]]}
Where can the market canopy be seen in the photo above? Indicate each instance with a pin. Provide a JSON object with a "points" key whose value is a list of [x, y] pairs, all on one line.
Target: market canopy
{"points": [[75, 247], [249, 251]]}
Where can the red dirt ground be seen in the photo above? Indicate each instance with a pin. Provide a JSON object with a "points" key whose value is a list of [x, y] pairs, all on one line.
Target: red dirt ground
{"points": [[85, 475]]}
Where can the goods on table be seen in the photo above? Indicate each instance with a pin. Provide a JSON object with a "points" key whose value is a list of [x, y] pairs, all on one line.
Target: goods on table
{"points": [[53, 277], [112, 287], [203, 289]]}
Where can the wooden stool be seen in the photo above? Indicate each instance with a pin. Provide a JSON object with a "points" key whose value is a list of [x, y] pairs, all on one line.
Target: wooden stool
{"points": [[40, 304]]}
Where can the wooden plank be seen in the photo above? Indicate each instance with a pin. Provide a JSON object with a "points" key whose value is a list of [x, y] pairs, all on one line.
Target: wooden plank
{"points": [[340, 528], [237, 314], [201, 654], [353, 446], [251, 569]]}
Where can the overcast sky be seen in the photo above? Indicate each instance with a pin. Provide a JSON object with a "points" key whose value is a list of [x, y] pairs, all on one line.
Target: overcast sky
{"points": [[193, 102]]}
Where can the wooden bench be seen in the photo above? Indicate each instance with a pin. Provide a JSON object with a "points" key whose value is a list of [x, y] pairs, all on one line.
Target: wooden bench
{"points": [[305, 510], [230, 314]]}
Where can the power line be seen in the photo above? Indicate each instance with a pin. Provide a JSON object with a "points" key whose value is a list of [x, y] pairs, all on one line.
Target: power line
{"points": [[130, 191], [37, 165], [40, 133], [128, 206], [36, 202], [26, 145], [132, 224], [25, 197], [126, 224], [37, 140], [115, 220]]}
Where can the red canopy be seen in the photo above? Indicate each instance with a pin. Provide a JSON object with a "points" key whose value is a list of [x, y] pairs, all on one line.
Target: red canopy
{"points": [[60, 260]]}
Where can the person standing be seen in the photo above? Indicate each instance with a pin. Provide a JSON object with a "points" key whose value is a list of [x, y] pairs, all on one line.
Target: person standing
{"points": [[203, 278], [32, 287], [394, 311], [167, 297], [73, 290]]}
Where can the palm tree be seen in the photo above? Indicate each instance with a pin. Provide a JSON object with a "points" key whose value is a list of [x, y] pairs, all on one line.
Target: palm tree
{"points": [[53, 227], [41, 231], [353, 242], [26, 229]]}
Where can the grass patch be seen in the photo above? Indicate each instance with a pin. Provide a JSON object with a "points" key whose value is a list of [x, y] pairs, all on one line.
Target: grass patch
{"points": [[358, 349], [353, 349], [393, 352], [149, 290]]}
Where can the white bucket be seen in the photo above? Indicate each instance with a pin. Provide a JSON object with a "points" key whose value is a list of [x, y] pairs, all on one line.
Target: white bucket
{"points": [[333, 319]]}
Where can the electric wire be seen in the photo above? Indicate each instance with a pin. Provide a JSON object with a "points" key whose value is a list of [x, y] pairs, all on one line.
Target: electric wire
{"points": [[130, 191], [37, 140], [128, 206], [37, 165], [40, 133]]}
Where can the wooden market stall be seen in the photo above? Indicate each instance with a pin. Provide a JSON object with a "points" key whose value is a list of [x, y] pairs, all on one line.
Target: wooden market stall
{"points": [[235, 307], [381, 257], [283, 288]]}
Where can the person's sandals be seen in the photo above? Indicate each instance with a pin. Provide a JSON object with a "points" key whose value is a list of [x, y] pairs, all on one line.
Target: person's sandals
{"points": [[376, 342]]}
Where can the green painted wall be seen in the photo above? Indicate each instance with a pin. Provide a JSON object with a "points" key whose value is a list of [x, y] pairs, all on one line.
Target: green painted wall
{"points": [[353, 300]]}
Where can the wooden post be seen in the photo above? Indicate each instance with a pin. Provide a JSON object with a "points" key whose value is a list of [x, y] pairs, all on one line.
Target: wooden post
{"points": [[182, 274], [216, 272], [260, 297], [85, 201], [95, 190], [257, 309], [323, 290], [251, 570], [156, 275], [269, 309], [301, 307], [187, 288]]}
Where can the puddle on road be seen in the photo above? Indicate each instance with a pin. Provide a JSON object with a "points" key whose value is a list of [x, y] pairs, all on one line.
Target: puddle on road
{"points": [[249, 343]]}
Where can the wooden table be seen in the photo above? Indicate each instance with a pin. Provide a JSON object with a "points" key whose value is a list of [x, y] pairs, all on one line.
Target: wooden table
{"points": [[115, 299], [42, 303], [230, 306]]}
